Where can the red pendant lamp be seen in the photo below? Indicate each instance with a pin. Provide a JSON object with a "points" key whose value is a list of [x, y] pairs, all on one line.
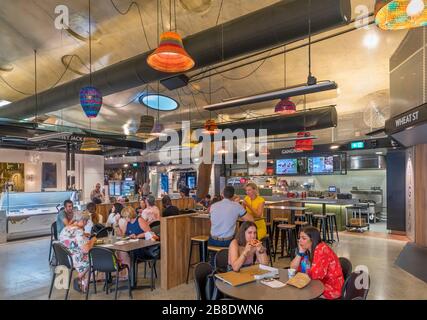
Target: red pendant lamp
{"points": [[304, 144], [285, 106], [210, 127]]}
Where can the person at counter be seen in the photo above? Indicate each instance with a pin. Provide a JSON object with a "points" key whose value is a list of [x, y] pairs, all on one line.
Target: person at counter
{"points": [[169, 209], [184, 192], [206, 202], [146, 188], [320, 262], [65, 216], [96, 195], [151, 213], [245, 248], [74, 239], [223, 216], [254, 205]]}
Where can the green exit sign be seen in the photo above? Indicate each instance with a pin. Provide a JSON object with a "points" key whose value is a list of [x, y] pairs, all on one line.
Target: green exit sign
{"points": [[358, 145]]}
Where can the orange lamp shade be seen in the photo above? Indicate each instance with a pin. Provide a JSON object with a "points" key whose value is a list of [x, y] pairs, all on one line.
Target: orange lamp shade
{"points": [[394, 15], [210, 127], [304, 144], [170, 56]]}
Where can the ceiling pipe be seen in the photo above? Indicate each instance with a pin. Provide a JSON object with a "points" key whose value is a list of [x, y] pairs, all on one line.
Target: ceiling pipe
{"points": [[280, 23]]}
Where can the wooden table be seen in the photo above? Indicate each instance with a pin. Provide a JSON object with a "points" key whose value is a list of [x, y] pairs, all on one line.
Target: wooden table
{"points": [[130, 248], [292, 209], [258, 291]]}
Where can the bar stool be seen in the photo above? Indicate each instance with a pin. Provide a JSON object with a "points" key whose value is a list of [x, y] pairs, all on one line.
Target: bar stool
{"points": [[309, 217], [299, 225], [202, 242], [269, 231], [320, 222], [288, 232], [332, 222], [267, 243], [300, 217], [276, 222]]}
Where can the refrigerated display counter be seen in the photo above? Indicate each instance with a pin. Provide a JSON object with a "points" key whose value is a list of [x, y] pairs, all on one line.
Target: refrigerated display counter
{"points": [[31, 214]]}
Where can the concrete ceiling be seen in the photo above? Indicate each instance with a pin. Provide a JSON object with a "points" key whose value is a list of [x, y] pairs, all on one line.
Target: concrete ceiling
{"points": [[361, 70]]}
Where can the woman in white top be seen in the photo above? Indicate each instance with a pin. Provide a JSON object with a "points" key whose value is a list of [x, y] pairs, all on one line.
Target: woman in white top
{"points": [[151, 213]]}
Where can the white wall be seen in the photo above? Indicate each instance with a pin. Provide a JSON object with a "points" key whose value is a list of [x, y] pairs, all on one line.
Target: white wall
{"points": [[89, 169]]}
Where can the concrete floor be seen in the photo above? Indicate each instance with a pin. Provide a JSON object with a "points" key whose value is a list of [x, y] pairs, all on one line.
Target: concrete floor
{"points": [[26, 273]]}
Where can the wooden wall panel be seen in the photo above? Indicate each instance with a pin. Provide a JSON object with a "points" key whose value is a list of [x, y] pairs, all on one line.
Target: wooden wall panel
{"points": [[175, 247], [421, 195]]}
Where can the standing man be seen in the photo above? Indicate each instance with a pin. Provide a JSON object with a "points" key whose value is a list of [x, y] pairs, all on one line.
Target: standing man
{"points": [[65, 216], [96, 195], [146, 188], [224, 216]]}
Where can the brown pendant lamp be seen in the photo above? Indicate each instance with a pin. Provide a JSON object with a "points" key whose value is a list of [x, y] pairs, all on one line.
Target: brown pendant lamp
{"points": [[170, 55]]}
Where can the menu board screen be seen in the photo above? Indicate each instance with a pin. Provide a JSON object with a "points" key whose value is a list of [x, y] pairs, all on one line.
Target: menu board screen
{"points": [[287, 166], [321, 165]]}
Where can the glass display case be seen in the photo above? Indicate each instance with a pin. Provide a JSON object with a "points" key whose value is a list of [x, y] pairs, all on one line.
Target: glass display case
{"points": [[30, 214]]}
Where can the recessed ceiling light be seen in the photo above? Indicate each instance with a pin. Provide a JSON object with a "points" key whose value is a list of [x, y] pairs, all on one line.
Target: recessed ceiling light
{"points": [[4, 103], [125, 165], [158, 102], [379, 153], [334, 147]]}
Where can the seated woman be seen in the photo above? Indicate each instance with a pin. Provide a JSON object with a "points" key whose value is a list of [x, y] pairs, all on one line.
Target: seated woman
{"points": [[245, 250], [151, 213], [142, 206], [320, 262], [168, 208], [206, 202], [114, 214], [74, 239], [94, 217]]}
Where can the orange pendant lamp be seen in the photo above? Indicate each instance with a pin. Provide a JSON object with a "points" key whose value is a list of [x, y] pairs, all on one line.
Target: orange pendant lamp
{"points": [[400, 14], [210, 127], [170, 56]]}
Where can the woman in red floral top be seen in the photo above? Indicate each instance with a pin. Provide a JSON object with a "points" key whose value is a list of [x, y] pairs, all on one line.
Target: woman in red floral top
{"points": [[320, 262]]}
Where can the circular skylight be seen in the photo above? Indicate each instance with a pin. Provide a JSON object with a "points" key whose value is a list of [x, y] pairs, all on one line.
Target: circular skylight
{"points": [[158, 102]]}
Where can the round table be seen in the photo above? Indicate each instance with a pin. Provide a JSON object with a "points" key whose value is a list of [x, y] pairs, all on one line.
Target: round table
{"points": [[258, 291]]}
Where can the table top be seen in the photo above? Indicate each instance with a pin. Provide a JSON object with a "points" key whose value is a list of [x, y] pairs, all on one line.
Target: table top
{"points": [[258, 291], [130, 245], [286, 208]]}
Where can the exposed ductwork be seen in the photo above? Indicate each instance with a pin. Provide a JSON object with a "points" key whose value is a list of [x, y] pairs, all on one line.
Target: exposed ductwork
{"points": [[282, 22]]}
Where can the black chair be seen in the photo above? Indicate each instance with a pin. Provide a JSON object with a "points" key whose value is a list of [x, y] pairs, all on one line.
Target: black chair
{"points": [[346, 267], [53, 237], [351, 290], [149, 256], [100, 231], [63, 258], [104, 260], [201, 272], [155, 227], [221, 261]]}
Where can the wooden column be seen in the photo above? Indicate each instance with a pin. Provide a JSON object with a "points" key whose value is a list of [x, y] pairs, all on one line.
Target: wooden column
{"points": [[421, 195], [203, 180]]}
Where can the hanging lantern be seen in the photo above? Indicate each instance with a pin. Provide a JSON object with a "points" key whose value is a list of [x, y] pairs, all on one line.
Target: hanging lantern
{"points": [[90, 144], [91, 101], [157, 130], [170, 56], [304, 144], [400, 14], [285, 106], [210, 127], [145, 127]]}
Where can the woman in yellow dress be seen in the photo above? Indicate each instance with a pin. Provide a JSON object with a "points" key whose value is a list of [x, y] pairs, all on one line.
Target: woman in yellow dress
{"points": [[254, 205]]}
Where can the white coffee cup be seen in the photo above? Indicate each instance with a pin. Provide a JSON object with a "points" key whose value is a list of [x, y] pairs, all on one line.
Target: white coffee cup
{"points": [[291, 273]]}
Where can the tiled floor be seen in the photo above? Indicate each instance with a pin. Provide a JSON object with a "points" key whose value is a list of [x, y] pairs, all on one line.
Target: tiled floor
{"points": [[26, 273]]}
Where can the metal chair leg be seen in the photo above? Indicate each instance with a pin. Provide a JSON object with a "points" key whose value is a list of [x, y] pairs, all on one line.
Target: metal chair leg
{"points": [[117, 285], [52, 283], [129, 284], [88, 285], [69, 285], [189, 262]]}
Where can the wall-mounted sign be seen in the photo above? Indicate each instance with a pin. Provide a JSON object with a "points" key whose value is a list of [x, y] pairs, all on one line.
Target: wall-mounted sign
{"points": [[407, 119], [357, 145], [290, 151]]}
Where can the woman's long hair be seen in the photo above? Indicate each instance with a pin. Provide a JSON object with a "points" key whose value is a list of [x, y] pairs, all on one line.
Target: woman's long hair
{"points": [[315, 238], [240, 236]]}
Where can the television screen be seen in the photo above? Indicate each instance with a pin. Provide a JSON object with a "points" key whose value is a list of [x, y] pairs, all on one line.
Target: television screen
{"points": [[321, 165], [287, 166]]}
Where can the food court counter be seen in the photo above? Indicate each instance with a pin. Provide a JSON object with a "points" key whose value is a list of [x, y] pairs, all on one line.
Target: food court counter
{"points": [[182, 204], [176, 233]]}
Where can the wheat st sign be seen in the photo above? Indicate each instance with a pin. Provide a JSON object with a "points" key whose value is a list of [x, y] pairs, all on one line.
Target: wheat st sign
{"points": [[407, 119]]}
